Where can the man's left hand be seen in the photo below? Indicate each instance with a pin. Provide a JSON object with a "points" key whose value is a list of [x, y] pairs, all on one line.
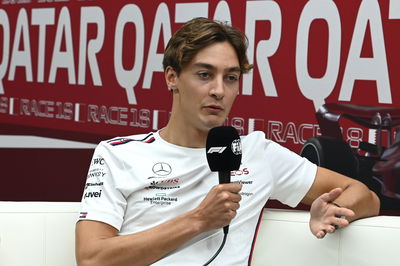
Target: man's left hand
{"points": [[326, 215]]}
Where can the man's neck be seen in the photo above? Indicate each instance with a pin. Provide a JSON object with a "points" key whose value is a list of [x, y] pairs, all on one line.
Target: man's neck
{"points": [[184, 135]]}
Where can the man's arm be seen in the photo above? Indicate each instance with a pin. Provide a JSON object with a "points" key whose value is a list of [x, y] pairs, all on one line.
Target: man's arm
{"points": [[333, 195], [98, 243]]}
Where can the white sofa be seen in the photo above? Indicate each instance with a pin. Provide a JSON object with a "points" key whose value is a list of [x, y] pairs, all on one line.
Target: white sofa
{"points": [[42, 234]]}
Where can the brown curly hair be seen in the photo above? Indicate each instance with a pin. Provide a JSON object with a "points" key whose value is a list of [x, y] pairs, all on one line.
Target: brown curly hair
{"points": [[198, 33]]}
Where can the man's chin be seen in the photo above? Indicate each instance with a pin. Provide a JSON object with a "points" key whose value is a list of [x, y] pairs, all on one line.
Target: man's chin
{"points": [[211, 121], [213, 124]]}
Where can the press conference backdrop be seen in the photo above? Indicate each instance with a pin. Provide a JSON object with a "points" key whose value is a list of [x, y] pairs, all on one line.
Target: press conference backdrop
{"points": [[77, 72]]}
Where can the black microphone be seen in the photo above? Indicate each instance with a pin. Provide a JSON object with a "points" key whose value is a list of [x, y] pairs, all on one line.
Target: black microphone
{"points": [[224, 153]]}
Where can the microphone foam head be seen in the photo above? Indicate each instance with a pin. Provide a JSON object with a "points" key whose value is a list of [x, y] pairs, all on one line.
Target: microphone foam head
{"points": [[223, 149]]}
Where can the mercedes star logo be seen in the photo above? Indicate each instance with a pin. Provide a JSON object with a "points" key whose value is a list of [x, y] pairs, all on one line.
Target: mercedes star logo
{"points": [[162, 169]]}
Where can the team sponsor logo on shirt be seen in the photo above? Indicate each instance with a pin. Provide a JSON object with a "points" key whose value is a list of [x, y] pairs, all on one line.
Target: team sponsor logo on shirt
{"points": [[93, 184], [246, 194], [98, 161], [96, 173], [240, 172], [161, 199], [243, 173], [162, 169], [165, 184], [82, 215], [244, 182], [92, 194]]}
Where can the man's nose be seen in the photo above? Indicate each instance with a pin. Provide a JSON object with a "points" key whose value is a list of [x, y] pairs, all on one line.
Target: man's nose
{"points": [[218, 88]]}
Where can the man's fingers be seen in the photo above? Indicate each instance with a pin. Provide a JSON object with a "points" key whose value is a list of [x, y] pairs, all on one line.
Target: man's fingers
{"points": [[342, 222], [229, 192], [326, 229], [332, 195], [320, 234], [330, 229], [231, 187], [232, 206], [344, 212]]}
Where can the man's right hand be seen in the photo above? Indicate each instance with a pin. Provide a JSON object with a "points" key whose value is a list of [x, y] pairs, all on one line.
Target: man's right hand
{"points": [[219, 206]]}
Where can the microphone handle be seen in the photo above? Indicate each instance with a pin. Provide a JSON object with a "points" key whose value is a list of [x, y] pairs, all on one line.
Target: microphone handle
{"points": [[226, 229], [224, 178]]}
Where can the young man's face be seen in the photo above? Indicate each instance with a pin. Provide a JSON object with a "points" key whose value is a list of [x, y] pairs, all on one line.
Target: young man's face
{"points": [[208, 86]]}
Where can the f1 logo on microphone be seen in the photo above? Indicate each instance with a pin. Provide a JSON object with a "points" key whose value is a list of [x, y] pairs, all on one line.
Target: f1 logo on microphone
{"points": [[216, 150]]}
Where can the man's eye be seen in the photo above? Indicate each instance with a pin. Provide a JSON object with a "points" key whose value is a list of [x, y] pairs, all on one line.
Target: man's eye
{"points": [[203, 75], [232, 77]]}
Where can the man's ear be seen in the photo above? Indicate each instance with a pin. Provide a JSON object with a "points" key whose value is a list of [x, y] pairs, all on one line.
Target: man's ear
{"points": [[171, 78]]}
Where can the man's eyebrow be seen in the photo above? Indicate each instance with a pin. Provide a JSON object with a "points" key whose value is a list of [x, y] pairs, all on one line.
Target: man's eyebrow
{"points": [[234, 69], [211, 67], [204, 65]]}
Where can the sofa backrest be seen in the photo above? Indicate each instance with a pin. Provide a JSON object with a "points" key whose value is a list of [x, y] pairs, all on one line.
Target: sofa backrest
{"points": [[285, 240], [42, 234]]}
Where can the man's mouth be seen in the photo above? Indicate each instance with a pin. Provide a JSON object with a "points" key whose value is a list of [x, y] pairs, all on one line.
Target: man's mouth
{"points": [[214, 108]]}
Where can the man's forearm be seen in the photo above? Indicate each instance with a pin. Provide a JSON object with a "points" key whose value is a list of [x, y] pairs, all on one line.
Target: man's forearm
{"points": [[142, 248], [360, 199]]}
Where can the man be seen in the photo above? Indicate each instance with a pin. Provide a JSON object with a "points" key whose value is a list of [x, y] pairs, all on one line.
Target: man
{"points": [[152, 198]]}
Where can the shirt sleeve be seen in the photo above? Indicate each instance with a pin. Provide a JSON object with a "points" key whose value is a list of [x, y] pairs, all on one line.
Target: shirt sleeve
{"points": [[293, 175], [101, 201]]}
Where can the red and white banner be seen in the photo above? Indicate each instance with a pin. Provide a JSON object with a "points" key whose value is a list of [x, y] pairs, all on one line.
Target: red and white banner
{"points": [[93, 66], [74, 69]]}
